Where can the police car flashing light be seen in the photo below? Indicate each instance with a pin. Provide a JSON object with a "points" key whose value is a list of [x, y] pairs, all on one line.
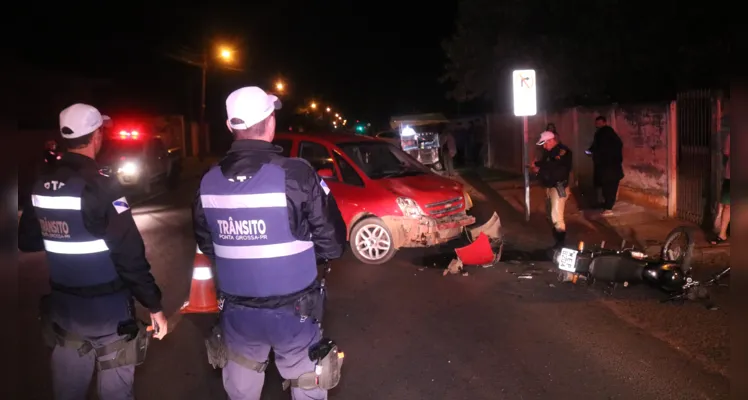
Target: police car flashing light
{"points": [[129, 135]]}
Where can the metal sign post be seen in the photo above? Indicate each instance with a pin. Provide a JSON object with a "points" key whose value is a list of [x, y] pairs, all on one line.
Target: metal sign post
{"points": [[525, 105], [526, 163]]}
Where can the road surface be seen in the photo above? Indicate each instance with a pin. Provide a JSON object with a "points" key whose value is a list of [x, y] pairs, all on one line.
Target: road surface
{"points": [[410, 333]]}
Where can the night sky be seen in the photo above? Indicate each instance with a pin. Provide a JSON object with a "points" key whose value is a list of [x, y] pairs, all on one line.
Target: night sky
{"points": [[368, 61]]}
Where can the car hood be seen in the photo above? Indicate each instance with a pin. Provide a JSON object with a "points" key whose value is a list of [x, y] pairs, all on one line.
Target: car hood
{"points": [[424, 189]]}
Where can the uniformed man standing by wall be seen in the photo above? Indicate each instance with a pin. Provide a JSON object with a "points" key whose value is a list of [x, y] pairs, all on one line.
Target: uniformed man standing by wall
{"points": [[553, 173], [96, 260], [262, 218]]}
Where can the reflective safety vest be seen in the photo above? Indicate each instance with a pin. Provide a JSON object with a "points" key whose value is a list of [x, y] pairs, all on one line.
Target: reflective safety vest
{"points": [[76, 258], [256, 253]]}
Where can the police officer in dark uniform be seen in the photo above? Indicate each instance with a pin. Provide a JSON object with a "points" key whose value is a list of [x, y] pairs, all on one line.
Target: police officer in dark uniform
{"points": [[553, 171], [265, 220], [96, 260]]}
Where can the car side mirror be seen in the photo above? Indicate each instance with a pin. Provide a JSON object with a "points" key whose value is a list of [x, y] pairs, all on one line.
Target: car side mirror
{"points": [[325, 172]]}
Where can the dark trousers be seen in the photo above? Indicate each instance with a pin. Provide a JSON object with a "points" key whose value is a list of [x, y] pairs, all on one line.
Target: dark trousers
{"points": [[609, 191], [252, 332]]}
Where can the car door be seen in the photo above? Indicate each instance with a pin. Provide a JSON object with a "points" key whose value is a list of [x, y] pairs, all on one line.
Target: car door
{"points": [[344, 183]]}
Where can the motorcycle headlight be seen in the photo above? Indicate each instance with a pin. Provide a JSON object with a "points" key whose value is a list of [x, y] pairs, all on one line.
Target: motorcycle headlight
{"points": [[128, 168], [409, 207]]}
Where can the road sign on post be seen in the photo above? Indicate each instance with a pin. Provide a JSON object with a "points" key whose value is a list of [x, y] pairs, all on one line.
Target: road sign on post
{"points": [[525, 105], [525, 99]]}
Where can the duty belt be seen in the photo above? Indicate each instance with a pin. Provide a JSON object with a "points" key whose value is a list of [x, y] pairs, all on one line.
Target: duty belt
{"points": [[272, 301]]}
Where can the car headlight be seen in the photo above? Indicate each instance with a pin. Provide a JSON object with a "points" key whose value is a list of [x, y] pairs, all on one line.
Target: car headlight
{"points": [[409, 207], [468, 201], [128, 168]]}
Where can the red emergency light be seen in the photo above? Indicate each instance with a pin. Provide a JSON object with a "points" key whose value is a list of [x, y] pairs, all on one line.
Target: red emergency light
{"points": [[128, 135]]}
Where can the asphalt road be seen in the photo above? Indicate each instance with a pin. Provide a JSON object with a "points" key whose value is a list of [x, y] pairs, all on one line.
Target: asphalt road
{"points": [[411, 333]]}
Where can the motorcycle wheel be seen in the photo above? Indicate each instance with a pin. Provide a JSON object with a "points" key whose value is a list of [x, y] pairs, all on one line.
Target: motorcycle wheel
{"points": [[682, 256]]}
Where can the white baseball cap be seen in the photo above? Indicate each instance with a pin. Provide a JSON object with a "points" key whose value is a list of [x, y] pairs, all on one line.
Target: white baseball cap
{"points": [[249, 105], [80, 120], [546, 136]]}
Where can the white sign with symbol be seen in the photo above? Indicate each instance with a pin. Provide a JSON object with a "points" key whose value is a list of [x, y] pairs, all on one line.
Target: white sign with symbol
{"points": [[525, 99], [567, 260]]}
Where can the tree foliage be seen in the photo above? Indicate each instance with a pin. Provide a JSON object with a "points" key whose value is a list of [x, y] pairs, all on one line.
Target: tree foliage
{"points": [[582, 50]]}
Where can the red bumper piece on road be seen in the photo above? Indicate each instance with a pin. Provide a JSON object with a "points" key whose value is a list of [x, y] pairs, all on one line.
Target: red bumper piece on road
{"points": [[477, 253]]}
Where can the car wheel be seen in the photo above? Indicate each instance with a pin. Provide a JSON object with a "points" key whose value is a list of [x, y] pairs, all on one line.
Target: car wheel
{"points": [[371, 241]]}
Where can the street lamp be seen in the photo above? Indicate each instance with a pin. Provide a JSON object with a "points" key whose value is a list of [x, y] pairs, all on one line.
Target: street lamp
{"points": [[226, 54], [279, 86], [337, 115], [327, 109], [314, 106], [200, 60]]}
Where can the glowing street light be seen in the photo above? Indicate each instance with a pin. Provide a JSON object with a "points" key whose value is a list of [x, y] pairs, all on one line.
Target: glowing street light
{"points": [[314, 106], [327, 109], [226, 54], [337, 115], [279, 86]]}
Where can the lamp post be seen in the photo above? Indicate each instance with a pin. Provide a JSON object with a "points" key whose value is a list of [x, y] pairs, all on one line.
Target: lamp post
{"points": [[202, 61]]}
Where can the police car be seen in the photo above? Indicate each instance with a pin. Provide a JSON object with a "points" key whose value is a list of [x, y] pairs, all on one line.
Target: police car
{"points": [[138, 161]]}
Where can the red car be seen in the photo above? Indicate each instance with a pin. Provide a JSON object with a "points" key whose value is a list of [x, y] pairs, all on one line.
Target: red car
{"points": [[387, 198]]}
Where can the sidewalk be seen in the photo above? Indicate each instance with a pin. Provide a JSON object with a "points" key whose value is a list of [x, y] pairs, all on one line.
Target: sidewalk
{"points": [[635, 224]]}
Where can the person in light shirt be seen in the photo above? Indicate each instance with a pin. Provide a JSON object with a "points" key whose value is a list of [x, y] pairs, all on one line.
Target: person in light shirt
{"points": [[723, 217]]}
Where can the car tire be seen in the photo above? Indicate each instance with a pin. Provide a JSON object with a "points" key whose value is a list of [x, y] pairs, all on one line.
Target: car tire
{"points": [[371, 241]]}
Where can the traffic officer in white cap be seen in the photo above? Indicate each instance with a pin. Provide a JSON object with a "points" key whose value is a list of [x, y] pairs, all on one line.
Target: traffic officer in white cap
{"points": [[553, 171], [265, 220], [96, 260]]}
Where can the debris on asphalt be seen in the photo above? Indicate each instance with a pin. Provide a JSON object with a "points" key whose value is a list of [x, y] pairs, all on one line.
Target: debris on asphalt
{"points": [[454, 267], [551, 285], [524, 277], [465, 273], [422, 269]]}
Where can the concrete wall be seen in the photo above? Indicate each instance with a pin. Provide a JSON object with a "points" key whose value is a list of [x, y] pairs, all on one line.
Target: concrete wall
{"points": [[642, 128]]}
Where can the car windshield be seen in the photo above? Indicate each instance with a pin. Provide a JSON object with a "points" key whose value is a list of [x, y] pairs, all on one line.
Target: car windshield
{"points": [[113, 149], [382, 160]]}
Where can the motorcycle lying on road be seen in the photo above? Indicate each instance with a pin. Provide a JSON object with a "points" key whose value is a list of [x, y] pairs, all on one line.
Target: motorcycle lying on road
{"points": [[671, 272]]}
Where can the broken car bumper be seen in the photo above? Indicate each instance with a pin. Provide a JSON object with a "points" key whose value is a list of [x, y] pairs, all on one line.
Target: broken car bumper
{"points": [[426, 231]]}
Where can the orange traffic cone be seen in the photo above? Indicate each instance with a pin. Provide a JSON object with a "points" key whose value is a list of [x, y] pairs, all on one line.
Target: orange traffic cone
{"points": [[477, 253], [203, 298]]}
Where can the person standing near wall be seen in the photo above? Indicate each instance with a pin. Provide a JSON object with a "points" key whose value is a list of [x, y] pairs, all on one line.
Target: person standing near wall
{"points": [[723, 217], [607, 156], [449, 151]]}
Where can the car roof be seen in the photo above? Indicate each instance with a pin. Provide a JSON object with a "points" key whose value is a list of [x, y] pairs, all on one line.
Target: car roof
{"points": [[327, 137]]}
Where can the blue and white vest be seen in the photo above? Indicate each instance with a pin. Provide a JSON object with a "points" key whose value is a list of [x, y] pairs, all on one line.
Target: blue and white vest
{"points": [[256, 253], [76, 258]]}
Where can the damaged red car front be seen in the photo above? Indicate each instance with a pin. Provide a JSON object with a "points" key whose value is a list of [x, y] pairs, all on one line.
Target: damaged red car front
{"points": [[387, 198]]}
